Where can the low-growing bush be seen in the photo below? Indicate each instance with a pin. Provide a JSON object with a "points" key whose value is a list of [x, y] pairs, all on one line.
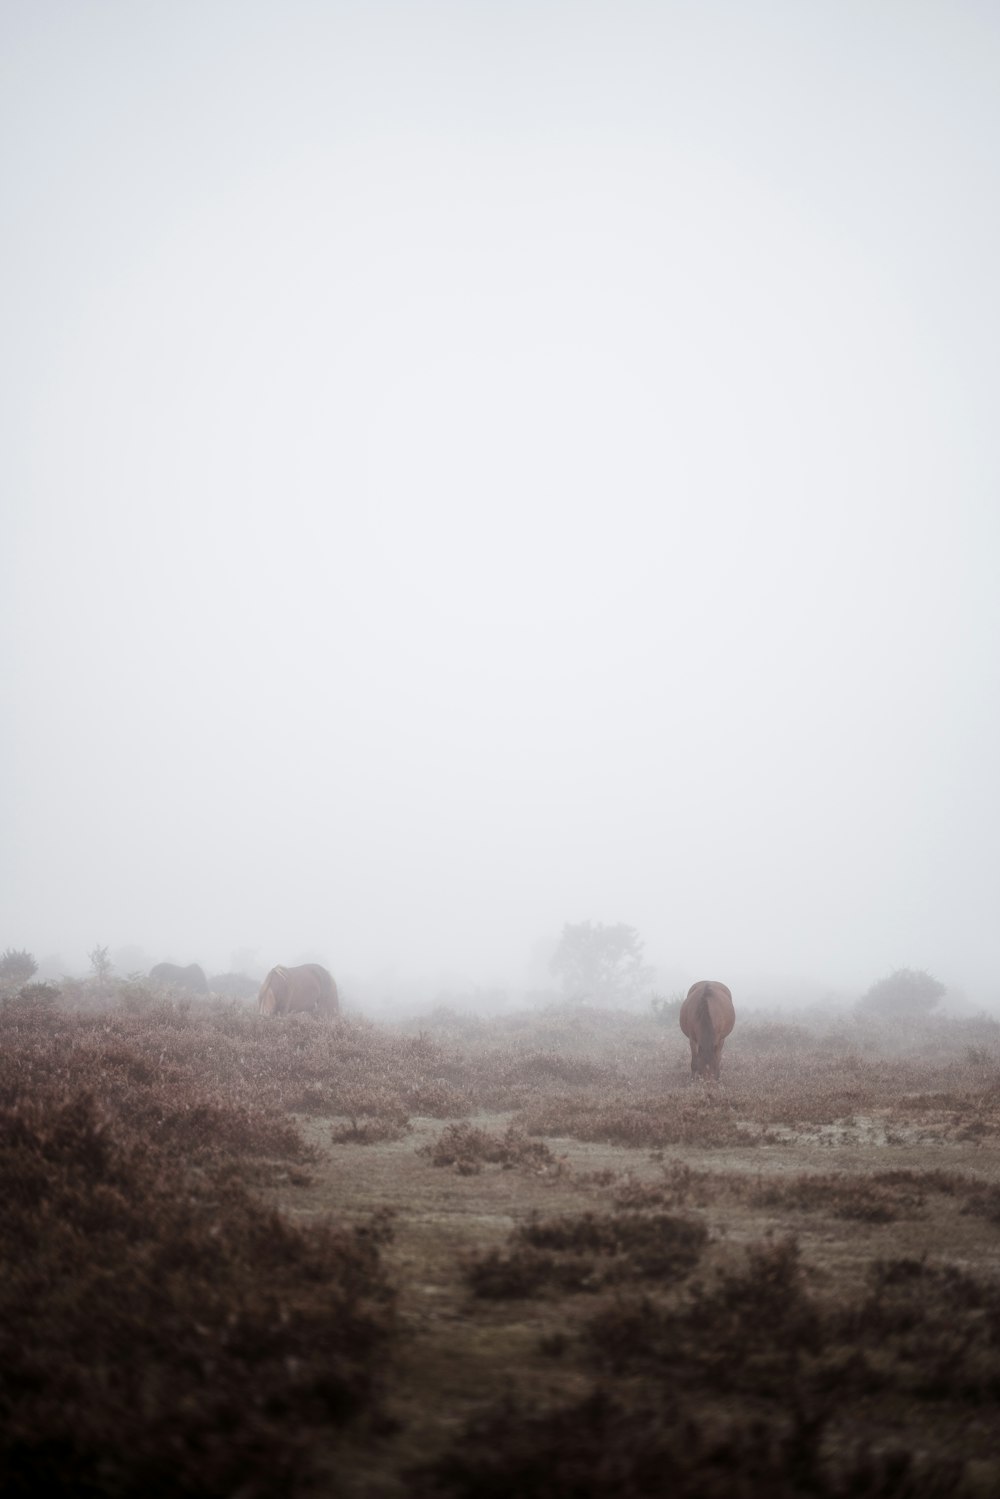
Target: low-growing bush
{"points": [[523, 1271], [746, 1331], [372, 1129], [584, 1252], [601, 1447], [698, 1117], [40, 997], [640, 1244], [468, 1148]]}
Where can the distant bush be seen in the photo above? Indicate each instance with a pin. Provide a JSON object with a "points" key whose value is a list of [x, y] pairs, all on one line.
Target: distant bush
{"points": [[666, 1011], [16, 966], [40, 997], [906, 994]]}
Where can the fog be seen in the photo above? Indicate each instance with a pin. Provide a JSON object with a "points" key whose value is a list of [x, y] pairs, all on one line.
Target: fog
{"points": [[470, 468]]}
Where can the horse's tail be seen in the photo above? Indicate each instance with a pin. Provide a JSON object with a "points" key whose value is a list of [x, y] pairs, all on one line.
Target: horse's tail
{"points": [[705, 1027]]}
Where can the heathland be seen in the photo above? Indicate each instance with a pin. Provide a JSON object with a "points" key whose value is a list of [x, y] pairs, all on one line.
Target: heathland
{"points": [[524, 1255]]}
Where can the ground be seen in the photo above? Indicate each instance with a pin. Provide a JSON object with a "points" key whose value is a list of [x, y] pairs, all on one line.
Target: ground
{"points": [[467, 1257]]}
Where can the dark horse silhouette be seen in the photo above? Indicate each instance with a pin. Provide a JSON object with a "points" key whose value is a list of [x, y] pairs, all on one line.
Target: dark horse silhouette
{"points": [[707, 1017], [308, 989], [191, 979]]}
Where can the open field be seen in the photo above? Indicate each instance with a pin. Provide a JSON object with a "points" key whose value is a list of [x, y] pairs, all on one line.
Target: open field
{"points": [[523, 1256]]}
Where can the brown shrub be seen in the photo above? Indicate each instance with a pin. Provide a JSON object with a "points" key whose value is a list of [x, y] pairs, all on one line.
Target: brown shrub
{"points": [[523, 1271], [673, 1189], [842, 1196], [160, 1330], [701, 1117], [370, 1130], [601, 1448], [468, 1148], [745, 1332], [936, 1329], [640, 1244], [587, 1251], [983, 1202]]}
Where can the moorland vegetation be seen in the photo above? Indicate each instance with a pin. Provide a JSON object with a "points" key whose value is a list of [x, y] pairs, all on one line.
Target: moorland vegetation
{"points": [[467, 1256]]}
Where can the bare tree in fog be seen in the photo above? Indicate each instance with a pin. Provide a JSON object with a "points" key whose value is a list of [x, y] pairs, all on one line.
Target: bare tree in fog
{"points": [[100, 963]]}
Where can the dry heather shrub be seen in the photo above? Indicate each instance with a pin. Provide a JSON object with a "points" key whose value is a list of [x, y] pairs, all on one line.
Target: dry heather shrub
{"points": [[249, 1065], [38, 998], [878, 1198], [601, 1448], [437, 1098], [983, 1202], [772, 1036], [920, 1333], [935, 1330], [745, 1332], [699, 1117], [807, 1088], [583, 1252], [168, 1083], [506, 1080], [653, 1244], [673, 1189], [522, 1271], [468, 1148], [372, 1129], [866, 1199], [161, 1331]]}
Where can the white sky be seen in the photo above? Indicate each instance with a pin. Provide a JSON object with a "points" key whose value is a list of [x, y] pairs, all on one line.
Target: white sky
{"points": [[470, 467]]}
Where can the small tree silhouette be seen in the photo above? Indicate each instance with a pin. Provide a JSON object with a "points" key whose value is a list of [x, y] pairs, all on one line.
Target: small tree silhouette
{"points": [[100, 963]]}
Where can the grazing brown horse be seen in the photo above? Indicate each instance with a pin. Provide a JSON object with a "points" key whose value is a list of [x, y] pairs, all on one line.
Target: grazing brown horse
{"points": [[707, 1017], [308, 989]]}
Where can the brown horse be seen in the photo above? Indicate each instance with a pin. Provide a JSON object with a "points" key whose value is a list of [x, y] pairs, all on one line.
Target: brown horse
{"points": [[308, 989], [707, 1017]]}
